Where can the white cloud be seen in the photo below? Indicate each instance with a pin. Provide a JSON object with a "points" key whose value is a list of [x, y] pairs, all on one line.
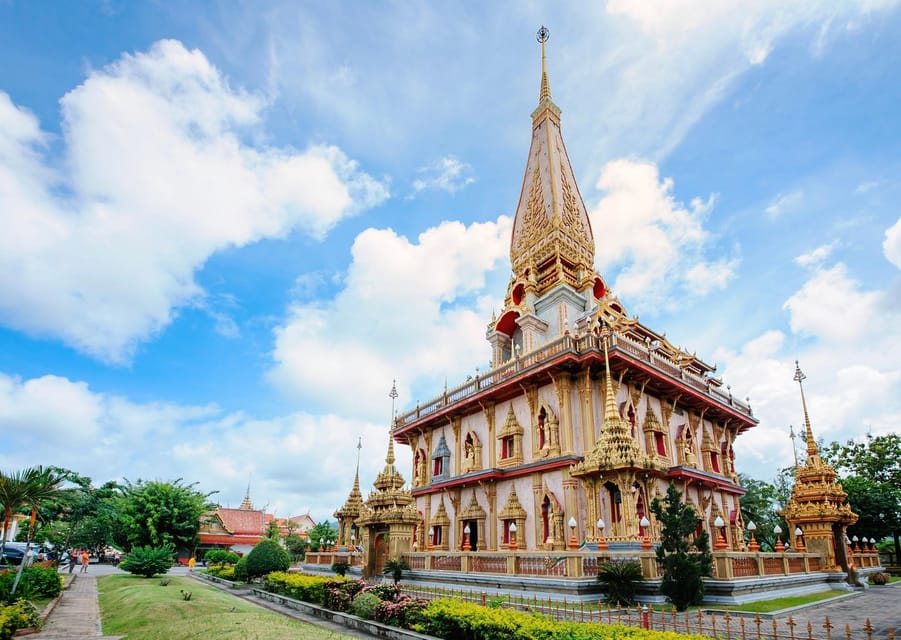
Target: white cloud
{"points": [[891, 246], [446, 174], [296, 462], [816, 256], [848, 341], [656, 242], [101, 249], [784, 203], [408, 310]]}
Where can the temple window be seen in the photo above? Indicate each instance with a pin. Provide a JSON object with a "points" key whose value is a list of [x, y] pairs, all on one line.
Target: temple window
{"points": [[660, 444], [439, 467], [507, 447], [441, 460], [510, 437]]}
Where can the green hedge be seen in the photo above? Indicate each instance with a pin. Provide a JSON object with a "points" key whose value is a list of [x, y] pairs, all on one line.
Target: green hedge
{"points": [[20, 615], [298, 586], [455, 620]]}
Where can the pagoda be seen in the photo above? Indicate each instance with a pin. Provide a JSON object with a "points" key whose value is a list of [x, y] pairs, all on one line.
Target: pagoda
{"points": [[350, 511], [585, 414], [388, 519], [818, 507]]}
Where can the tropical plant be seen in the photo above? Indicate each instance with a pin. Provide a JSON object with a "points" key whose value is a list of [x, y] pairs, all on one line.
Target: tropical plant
{"points": [[685, 557], [148, 561], [267, 556], [395, 568], [620, 580], [340, 568]]}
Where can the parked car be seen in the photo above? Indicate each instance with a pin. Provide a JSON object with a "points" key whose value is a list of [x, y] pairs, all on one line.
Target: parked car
{"points": [[12, 555]]}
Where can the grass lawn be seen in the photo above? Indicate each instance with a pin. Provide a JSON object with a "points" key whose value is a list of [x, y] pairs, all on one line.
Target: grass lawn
{"points": [[777, 604], [143, 610]]}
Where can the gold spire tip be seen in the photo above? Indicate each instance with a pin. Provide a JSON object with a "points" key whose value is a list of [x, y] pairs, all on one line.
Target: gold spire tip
{"points": [[542, 36]]}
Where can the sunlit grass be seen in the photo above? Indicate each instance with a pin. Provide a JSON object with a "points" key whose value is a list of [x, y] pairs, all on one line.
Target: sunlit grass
{"points": [[142, 609], [777, 604]]}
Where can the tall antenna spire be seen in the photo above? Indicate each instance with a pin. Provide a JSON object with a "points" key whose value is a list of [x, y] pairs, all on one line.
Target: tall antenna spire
{"points": [[357, 474], [812, 449], [393, 395], [545, 93]]}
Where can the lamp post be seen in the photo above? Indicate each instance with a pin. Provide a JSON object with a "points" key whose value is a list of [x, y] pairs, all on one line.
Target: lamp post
{"points": [[602, 543], [778, 531], [573, 545], [431, 538], [512, 536], [856, 548], [721, 534], [644, 523], [321, 545], [799, 536], [872, 545], [466, 546], [753, 546]]}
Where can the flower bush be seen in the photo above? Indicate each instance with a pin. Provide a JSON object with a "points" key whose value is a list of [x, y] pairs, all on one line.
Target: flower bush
{"points": [[402, 612], [339, 594], [19, 615]]}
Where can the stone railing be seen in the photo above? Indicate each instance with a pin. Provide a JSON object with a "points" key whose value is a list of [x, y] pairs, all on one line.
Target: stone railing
{"points": [[328, 558], [727, 565], [574, 345]]}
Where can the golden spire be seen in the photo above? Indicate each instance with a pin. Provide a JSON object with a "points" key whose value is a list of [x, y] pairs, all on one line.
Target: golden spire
{"points": [[389, 459], [812, 449], [610, 411], [246, 504], [545, 93]]}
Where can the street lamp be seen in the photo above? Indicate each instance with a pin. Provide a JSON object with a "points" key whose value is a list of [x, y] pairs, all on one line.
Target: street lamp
{"points": [[573, 545], [778, 531], [752, 528], [602, 543], [644, 523], [799, 535], [721, 534], [513, 536]]}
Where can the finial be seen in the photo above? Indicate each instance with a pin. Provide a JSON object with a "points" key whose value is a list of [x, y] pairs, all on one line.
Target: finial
{"points": [[389, 459], [545, 93], [812, 449]]}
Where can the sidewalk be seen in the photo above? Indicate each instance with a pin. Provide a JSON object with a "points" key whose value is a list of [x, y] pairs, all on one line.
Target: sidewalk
{"points": [[77, 614]]}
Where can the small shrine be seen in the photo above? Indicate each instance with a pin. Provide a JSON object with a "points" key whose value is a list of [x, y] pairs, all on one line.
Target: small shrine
{"points": [[818, 514], [347, 529], [389, 518]]}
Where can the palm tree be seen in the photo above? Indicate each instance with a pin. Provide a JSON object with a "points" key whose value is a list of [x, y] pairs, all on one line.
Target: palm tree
{"points": [[27, 488]]}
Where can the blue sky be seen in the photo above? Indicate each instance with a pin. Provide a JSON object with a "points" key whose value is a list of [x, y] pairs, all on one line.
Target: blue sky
{"points": [[228, 226]]}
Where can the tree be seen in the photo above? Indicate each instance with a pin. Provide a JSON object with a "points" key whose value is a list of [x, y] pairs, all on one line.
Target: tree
{"points": [[296, 546], [322, 531], [684, 563], [871, 474], [159, 513], [272, 531], [760, 505]]}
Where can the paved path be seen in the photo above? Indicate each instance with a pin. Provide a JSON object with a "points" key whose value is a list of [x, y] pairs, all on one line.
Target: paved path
{"points": [[881, 605], [77, 614]]}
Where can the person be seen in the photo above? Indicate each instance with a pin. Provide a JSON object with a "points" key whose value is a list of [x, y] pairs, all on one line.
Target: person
{"points": [[84, 561], [73, 559], [191, 563]]}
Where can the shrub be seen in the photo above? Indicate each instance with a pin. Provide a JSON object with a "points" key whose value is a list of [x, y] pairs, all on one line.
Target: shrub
{"points": [[340, 568], [148, 561], [339, 594], [455, 620], [267, 556], [878, 578], [401, 612], [19, 615], [221, 556], [384, 591], [620, 580], [300, 586], [239, 571], [225, 572], [365, 604], [41, 582]]}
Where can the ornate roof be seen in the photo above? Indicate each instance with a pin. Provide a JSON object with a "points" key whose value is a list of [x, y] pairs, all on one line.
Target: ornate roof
{"points": [[552, 238], [391, 502]]}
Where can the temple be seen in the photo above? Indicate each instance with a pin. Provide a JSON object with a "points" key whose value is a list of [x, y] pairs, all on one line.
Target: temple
{"points": [[586, 414], [530, 474]]}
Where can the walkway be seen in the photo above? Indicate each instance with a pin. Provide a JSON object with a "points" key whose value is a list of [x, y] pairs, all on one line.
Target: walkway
{"points": [[882, 606], [77, 614]]}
